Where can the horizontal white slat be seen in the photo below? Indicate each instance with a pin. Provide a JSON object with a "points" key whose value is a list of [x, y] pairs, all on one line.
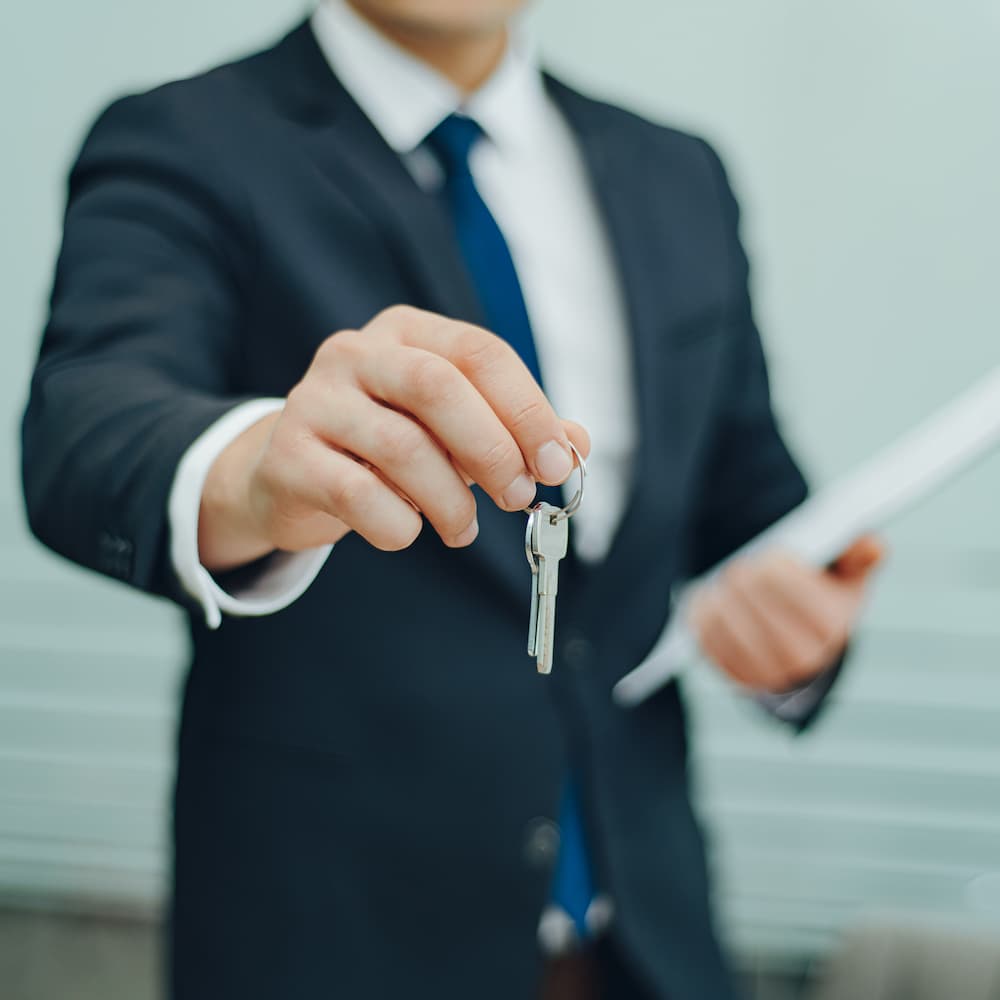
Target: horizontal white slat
{"points": [[100, 637], [909, 741], [131, 676], [142, 824], [779, 783], [917, 840], [796, 871], [113, 730], [74, 853], [85, 777], [931, 611]]}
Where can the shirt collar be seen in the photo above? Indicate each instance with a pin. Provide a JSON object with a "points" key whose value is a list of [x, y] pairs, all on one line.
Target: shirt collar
{"points": [[405, 98]]}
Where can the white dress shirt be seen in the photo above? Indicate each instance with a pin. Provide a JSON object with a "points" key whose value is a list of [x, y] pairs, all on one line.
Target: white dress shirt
{"points": [[530, 172]]}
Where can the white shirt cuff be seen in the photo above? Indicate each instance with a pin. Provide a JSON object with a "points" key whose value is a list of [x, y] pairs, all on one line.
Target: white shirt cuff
{"points": [[283, 577]]}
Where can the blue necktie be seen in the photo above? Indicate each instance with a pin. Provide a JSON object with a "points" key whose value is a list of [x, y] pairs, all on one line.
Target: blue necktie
{"points": [[491, 268]]}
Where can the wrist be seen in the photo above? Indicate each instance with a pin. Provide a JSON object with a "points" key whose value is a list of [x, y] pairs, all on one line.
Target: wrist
{"points": [[231, 529]]}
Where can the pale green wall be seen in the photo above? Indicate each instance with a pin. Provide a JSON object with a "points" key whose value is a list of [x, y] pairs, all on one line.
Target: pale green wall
{"points": [[864, 139]]}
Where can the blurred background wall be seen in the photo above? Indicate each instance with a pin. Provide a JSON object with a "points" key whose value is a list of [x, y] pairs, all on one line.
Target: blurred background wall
{"points": [[864, 140]]}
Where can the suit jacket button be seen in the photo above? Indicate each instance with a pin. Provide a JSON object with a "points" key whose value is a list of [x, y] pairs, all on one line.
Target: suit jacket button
{"points": [[541, 842]]}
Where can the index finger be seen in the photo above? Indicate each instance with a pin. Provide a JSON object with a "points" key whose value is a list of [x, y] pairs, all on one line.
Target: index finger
{"points": [[864, 553], [501, 378]]}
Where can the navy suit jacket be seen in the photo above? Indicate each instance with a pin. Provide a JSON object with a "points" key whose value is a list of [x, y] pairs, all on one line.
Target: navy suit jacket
{"points": [[368, 780]]}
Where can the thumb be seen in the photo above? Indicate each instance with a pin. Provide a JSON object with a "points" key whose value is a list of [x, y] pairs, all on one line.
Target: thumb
{"points": [[860, 558]]}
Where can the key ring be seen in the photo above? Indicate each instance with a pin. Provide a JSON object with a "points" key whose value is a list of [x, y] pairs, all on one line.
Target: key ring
{"points": [[574, 505]]}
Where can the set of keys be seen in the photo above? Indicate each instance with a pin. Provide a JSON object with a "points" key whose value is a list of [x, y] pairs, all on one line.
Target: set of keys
{"points": [[546, 542]]}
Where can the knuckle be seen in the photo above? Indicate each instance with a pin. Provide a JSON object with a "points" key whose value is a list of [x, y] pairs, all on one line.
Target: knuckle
{"points": [[338, 351], [294, 400], [531, 413], [353, 493], [297, 420], [479, 348], [400, 319], [397, 441], [429, 379], [332, 345], [500, 459]]}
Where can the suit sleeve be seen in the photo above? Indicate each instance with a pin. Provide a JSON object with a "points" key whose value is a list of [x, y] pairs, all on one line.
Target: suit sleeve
{"points": [[750, 478], [141, 350]]}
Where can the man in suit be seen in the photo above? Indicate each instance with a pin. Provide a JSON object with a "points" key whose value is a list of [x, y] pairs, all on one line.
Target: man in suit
{"points": [[377, 796]]}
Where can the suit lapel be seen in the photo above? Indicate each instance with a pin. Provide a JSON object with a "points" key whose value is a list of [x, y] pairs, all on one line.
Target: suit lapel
{"points": [[349, 151], [611, 161]]}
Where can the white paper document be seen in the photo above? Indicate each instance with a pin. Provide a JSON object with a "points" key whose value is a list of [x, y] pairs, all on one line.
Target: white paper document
{"points": [[820, 529]]}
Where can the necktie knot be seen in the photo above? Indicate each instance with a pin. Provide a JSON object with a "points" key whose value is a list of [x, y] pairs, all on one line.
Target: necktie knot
{"points": [[452, 141]]}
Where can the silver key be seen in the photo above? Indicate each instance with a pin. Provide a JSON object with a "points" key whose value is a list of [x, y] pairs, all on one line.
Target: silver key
{"points": [[529, 551], [547, 540]]}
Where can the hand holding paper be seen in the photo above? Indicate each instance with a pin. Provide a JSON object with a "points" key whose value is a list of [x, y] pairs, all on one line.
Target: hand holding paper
{"points": [[823, 527], [773, 623]]}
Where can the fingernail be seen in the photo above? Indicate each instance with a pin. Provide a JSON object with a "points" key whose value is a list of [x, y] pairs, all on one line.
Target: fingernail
{"points": [[469, 535], [520, 493], [553, 462]]}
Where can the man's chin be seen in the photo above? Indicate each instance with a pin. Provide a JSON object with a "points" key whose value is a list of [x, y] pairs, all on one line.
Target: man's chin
{"points": [[439, 17]]}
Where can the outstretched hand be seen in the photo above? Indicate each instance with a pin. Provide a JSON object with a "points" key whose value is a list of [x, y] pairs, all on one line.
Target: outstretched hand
{"points": [[389, 427]]}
